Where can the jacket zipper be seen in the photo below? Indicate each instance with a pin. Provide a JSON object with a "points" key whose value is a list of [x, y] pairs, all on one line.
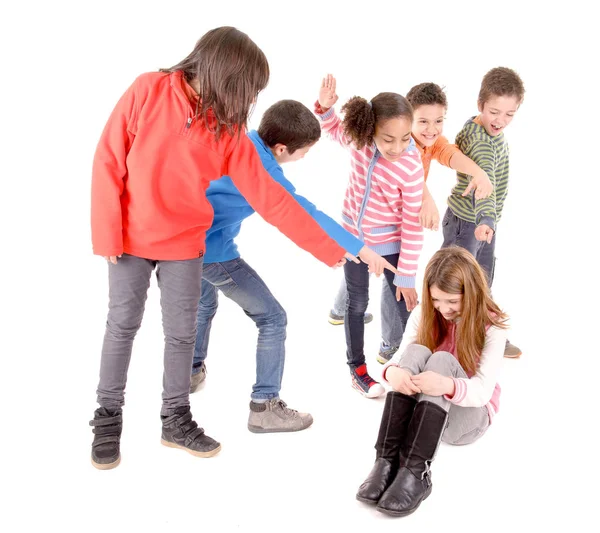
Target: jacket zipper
{"points": [[365, 200]]}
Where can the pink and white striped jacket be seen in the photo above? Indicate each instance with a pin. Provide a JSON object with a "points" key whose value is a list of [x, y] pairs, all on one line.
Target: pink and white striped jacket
{"points": [[383, 200]]}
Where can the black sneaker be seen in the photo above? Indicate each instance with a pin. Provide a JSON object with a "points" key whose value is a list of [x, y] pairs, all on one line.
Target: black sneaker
{"points": [[180, 431], [338, 320], [386, 353], [106, 449], [364, 383]]}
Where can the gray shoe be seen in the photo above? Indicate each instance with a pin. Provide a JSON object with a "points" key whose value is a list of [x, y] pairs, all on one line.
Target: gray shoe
{"points": [[511, 351], [197, 379], [274, 416]]}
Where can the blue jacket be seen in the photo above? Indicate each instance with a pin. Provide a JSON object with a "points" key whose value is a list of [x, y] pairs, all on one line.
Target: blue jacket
{"points": [[231, 208]]}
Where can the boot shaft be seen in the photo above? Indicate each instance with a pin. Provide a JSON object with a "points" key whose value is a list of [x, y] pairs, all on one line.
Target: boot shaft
{"points": [[397, 413], [423, 437]]}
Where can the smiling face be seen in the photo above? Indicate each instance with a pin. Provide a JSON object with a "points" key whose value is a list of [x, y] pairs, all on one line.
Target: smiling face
{"points": [[392, 137], [497, 113], [448, 305], [428, 124]]}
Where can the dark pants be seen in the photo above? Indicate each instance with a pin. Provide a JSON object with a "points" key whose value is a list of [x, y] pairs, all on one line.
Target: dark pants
{"points": [[357, 281], [458, 232]]}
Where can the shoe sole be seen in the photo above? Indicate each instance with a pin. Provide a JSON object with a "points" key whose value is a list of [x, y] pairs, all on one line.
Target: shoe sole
{"points": [[258, 429], [106, 466], [382, 360], [193, 452], [369, 394], [405, 513], [508, 356]]}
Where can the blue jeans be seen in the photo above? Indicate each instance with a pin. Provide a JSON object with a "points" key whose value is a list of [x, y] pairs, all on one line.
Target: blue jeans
{"points": [[240, 283], [391, 321], [459, 232], [357, 281]]}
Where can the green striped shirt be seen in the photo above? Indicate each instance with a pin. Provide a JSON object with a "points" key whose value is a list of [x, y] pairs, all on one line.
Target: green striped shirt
{"points": [[491, 154]]}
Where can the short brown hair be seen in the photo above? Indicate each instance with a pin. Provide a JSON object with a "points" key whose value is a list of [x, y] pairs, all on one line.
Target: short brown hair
{"points": [[361, 117], [231, 70], [501, 81], [290, 123], [427, 94]]}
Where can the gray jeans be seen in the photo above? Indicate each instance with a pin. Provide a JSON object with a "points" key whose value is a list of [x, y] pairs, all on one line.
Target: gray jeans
{"points": [[465, 424], [129, 279]]}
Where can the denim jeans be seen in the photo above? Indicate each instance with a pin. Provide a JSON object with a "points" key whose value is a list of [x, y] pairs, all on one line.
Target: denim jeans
{"points": [[128, 280], [391, 322], [458, 232], [357, 282], [240, 283]]}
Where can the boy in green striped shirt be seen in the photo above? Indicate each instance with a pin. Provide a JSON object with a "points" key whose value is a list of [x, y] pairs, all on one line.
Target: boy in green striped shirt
{"points": [[472, 223]]}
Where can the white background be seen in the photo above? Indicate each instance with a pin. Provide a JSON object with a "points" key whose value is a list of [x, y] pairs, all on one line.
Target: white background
{"points": [[64, 65]]}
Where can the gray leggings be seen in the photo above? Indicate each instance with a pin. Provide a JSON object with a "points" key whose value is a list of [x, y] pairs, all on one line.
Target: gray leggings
{"points": [[465, 424], [129, 279]]}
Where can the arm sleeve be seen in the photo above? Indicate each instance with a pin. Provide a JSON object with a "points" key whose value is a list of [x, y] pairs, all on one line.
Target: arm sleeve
{"points": [[108, 174], [270, 200]]}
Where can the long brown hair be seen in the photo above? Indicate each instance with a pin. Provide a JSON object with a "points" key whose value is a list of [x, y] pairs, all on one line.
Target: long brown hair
{"points": [[231, 70], [361, 117], [455, 271]]}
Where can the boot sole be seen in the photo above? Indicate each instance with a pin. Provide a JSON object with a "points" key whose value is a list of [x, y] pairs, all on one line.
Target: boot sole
{"points": [[193, 452], [366, 500], [405, 513], [335, 322], [258, 429], [106, 466]]}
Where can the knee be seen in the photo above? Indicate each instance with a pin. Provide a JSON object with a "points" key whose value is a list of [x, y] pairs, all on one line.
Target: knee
{"points": [[417, 351], [441, 362], [275, 319]]}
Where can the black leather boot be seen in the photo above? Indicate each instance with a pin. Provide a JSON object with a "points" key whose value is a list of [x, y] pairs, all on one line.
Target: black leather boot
{"points": [[397, 413], [412, 483]]}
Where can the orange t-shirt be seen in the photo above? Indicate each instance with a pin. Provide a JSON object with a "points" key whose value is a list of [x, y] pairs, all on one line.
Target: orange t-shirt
{"points": [[442, 151]]}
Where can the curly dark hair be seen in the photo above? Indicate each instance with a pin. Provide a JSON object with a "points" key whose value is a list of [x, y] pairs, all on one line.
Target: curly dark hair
{"points": [[290, 123], [361, 117], [501, 81], [427, 94]]}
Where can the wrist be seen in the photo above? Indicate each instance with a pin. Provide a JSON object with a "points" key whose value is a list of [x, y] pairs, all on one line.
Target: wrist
{"points": [[450, 387]]}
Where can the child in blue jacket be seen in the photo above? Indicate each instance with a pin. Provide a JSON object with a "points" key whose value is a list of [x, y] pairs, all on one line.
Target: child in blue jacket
{"points": [[286, 133]]}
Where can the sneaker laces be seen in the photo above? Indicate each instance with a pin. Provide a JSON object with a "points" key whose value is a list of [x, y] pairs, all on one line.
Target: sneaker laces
{"points": [[362, 374], [286, 410]]}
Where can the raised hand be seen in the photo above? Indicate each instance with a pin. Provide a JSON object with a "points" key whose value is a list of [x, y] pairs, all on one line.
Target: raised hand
{"points": [[327, 95]]}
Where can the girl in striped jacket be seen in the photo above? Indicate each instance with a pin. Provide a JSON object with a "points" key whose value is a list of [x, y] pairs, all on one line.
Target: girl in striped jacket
{"points": [[445, 381], [381, 207]]}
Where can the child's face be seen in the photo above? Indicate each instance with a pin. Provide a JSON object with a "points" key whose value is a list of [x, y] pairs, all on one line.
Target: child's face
{"points": [[428, 124], [448, 305], [392, 137], [283, 156], [497, 113]]}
